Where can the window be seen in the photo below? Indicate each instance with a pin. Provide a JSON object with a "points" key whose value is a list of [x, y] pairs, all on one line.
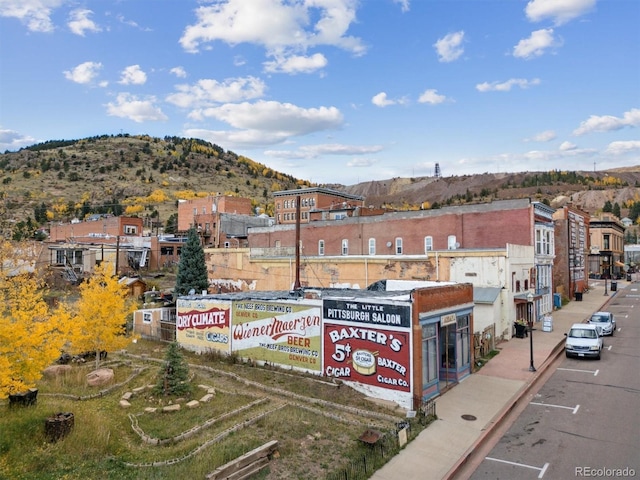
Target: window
{"points": [[452, 244], [429, 354], [195, 212], [372, 246], [204, 210], [606, 238], [320, 247], [166, 250], [463, 347], [60, 257], [130, 230], [398, 246], [345, 247], [146, 317], [428, 244]]}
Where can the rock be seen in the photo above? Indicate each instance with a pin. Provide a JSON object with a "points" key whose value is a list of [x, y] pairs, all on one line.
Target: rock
{"points": [[172, 408], [56, 370], [206, 398], [193, 404], [127, 396], [139, 389], [124, 404], [151, 410], [100, 377]]}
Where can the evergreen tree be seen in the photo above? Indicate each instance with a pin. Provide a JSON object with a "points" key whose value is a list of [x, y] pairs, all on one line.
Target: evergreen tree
{"points": [[607, 206], [174, 376], [192, 269], [616, 209]]}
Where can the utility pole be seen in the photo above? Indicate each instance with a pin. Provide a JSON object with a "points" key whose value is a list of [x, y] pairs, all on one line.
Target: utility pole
{"points": [[296, 284]]}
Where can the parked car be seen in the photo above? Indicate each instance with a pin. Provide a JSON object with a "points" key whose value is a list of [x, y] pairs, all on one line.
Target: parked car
{"points": [[583, 340], [604, 321]]}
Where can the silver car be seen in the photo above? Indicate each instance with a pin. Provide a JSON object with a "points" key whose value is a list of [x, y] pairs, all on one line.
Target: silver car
{"points": [[604, 321]]}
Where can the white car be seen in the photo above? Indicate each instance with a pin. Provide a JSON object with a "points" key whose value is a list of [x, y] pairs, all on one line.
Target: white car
{"points": [[583, 340], [604, 321]]}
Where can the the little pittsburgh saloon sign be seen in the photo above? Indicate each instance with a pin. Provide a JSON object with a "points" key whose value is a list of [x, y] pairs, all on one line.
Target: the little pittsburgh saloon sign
{"points": [[367, 343]]}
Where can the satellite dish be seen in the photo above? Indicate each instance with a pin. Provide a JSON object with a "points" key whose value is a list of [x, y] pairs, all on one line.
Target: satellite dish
{"points": [[389, 244], [192, 291], [457, 244]]}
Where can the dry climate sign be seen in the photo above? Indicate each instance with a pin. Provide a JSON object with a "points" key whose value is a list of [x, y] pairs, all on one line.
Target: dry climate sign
{"points": [[203, 324], [367, 343], [278, 332]]}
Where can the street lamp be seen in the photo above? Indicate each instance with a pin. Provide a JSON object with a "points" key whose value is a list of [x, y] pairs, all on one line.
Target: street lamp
{"points": [[530, 322]]}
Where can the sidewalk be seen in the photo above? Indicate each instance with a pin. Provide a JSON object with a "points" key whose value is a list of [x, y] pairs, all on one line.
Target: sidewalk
{"points": [[488, 395]]}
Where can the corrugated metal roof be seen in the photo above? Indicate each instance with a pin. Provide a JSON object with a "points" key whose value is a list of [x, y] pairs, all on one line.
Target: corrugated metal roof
{"points": [[485, 294]]}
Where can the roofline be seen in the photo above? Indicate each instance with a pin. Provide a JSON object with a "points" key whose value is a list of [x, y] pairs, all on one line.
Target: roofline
{"points": [[328, 191]]}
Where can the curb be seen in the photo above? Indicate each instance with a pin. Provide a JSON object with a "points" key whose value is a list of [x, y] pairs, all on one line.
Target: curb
{"points": [[499, 419]]}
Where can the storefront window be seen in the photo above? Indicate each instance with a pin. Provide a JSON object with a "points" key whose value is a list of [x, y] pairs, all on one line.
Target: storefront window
{"points": [[429, 354], [463, 348]]}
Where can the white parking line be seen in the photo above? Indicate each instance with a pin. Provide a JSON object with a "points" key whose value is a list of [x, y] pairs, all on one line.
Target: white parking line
{"points": [[595, 373], [575, 409], [609, 347], [540, 475]]}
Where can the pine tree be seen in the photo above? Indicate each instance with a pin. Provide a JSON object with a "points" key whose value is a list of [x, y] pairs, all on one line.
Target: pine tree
{"points": [[174, 376], [192, 269]]}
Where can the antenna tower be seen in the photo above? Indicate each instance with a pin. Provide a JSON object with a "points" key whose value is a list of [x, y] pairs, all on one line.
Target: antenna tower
{"points": [[437, 172]]}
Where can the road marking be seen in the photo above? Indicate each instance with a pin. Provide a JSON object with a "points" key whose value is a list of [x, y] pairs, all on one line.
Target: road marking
{"points": [[575, 409], [609, 347], [595, 373], [540, 475]]}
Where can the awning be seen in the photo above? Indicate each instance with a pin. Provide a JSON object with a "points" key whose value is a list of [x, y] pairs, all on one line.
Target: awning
{"points": [[522, 298], [619, 264]]}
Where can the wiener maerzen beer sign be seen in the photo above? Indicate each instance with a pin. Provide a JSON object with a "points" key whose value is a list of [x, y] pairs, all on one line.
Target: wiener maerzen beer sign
{"points": [[203, 324], [278, 332], [367, 343]]}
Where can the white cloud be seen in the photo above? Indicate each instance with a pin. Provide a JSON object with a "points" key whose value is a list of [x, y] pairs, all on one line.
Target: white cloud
{"points": [[431, 97], [129, 106], [506, 86], [83, 73], [79, 22], [535, 45], [361, 162], [12, 140], [289, 26], [133, 75], [566, 146], [559, 11], [449, 47], [607, 123], [35, 14], [404, 5], [381, 100], [314, 151], [207, 92], [265, 123], [284, 118], [179, 72], [296, 64], [545, 136], [622, 147]]}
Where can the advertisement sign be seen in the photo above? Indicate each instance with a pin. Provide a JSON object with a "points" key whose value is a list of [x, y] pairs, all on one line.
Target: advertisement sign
{"points": [[203, 325], [372, 348], [277, 332]]}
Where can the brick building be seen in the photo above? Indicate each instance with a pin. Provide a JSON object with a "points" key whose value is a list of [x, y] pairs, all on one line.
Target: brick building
{"points": [[96, 227], [315, 203], [402, 344], [217, 219], [571, 232]]}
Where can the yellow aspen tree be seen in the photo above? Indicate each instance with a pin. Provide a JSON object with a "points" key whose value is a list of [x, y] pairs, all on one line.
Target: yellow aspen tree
{"points": [[100, 314], [31, 335]]}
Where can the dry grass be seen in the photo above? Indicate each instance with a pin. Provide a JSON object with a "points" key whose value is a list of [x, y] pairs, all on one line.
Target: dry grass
{"points": [[314, 439]]}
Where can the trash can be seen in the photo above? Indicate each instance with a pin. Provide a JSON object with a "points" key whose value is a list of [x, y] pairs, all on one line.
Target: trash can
{"points": [[614, 286], [557, 300], [579, 296], [628, 277]]}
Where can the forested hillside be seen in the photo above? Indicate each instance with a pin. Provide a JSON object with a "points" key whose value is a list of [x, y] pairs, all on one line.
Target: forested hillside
{"points": [[59, 180]]}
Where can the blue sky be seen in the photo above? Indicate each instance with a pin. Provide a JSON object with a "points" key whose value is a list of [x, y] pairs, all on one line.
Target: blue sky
{"points": [[334, 91]]}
